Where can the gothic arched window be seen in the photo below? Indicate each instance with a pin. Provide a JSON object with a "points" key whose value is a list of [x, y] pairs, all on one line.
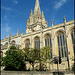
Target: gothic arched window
{"points": [[73, 39], [1, 53], [6, 45], [37, 43], [61, 45], [27, 43], [48, 43]]}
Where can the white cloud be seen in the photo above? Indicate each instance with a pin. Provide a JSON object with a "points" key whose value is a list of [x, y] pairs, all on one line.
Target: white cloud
{"points": [[7, 28], [15, 2], [59, 3], [5, 17], [5, 8]]}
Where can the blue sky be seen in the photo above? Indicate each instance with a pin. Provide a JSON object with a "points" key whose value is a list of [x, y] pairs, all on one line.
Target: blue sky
{"points": [[14, 13]]}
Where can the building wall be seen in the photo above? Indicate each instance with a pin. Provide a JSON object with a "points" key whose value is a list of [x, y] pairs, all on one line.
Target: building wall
{"points": [[53, 32]]}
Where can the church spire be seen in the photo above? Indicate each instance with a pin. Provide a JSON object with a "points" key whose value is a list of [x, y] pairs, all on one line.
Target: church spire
{"points": [[36, 19], [37, 7]]}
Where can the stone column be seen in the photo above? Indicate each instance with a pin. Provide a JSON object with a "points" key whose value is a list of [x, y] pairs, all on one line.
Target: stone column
{"points": [[66, 39], [41, 40], [53, 46], [31, 41], [69, 46]]}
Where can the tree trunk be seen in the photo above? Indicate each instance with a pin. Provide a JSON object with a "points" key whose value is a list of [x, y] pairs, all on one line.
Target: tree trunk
{"points": [[33, 66]]}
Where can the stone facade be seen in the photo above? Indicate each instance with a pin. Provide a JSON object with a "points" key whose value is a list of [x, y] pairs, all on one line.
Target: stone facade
{"points": [[37, 27]]}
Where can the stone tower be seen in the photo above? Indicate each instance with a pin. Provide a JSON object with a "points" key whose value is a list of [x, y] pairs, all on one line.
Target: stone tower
{"points": [[36, 20]]}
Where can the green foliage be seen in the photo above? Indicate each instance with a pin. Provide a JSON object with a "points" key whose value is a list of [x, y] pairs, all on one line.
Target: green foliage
{"points": [[14, 59], [73, 67], [45, 53], [12, 48], [41, 55], [31, 55], [68, 69]]}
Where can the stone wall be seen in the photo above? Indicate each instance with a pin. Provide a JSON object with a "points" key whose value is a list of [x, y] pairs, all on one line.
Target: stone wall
{"points": [[33, 73]]}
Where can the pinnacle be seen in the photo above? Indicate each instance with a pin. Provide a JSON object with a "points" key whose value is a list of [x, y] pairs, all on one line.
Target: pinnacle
{"points": [[31, 12], [64, 19], [64, 16], [51, 22], [42, 14]]}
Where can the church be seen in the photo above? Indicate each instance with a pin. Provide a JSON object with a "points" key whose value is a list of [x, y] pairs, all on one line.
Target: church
{"points": [[59, 37]]}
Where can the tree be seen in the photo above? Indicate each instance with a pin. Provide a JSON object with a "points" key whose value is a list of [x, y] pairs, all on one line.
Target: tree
{"points": [[45, 54], [31, 55], [73, 67], [14, 59], [41, 55]]}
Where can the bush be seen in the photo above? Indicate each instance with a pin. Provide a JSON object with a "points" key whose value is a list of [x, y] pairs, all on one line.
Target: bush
{"points": [[14, 60]]}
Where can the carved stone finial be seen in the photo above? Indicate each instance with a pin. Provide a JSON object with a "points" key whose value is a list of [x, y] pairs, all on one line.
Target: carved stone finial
{"points": [[10, 34], [10, 37], [42, 15], [64, 19], [51, 22], [17, 32], [31, 12], [22, 32], [5, 36]]}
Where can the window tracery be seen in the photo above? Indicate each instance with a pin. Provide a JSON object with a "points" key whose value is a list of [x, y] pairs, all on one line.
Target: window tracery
{"points": [[48, 43], [61, 45], [37, 43], [27, 43]]}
